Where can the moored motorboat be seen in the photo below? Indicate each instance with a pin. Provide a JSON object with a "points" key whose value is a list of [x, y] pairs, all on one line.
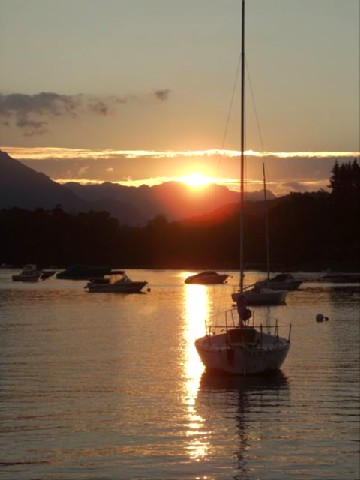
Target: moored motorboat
{"points": [[29, 273], [282, 281], [116, 282], [207, 278]]}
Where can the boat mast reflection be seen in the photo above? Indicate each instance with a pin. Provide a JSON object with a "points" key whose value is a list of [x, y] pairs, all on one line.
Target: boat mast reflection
{"points": [[229, 399]]}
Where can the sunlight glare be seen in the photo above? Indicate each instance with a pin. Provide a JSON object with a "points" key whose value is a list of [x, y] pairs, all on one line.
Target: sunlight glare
{"points": [[197, 180], [197, 306]]}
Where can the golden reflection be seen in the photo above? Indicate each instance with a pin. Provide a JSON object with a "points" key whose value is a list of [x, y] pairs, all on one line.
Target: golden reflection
{"points": [[196, 312]]}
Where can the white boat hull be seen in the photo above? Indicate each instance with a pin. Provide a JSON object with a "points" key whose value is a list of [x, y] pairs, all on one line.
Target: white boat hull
{"points": [[263, 297], [241, 359]]}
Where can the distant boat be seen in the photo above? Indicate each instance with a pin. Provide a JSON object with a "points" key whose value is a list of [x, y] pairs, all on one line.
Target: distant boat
{"points": [[207, 278], [233, 345], [83, 272], [340, 277], [116, 282], [261, 293], [29, 273], [282, 281], [261, 296]]}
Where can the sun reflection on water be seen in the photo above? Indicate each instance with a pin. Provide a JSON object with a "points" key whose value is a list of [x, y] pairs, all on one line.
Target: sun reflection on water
{"points": [[196, 312]]}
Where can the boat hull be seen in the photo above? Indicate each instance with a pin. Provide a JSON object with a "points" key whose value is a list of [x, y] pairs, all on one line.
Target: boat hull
{"points": [[289, 285], [26, 278], [121, 287], [263, 297], [210, 280], [241, 359]]}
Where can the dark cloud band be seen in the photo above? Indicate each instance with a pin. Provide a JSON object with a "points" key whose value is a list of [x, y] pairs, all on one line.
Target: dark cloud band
{"points": [[32, 113]]}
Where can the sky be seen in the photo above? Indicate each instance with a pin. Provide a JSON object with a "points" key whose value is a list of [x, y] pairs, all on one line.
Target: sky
{"points": [[145, 91]]}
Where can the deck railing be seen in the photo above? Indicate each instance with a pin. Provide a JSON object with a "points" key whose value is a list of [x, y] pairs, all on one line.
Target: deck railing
{"points": [[230, 319]]}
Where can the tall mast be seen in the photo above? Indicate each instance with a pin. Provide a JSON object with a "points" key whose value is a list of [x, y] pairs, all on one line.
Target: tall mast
{"points": [[266, 227], [242, 147]]}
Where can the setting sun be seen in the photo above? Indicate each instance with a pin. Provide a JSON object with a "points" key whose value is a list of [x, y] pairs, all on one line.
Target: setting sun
{"points": [[197, 180]]}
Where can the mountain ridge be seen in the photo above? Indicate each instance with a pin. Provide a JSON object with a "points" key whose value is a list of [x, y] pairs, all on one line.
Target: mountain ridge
{"points": [[23, 187]]}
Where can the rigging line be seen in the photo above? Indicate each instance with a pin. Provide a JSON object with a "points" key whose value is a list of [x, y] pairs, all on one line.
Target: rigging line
{"points": [[254, 105], [232, 97], [264, 168], [229, 114], [257, 119], [231, 103]]}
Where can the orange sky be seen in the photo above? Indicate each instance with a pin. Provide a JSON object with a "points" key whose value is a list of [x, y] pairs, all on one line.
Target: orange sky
{"points": [[286, 171], [138, 91]]}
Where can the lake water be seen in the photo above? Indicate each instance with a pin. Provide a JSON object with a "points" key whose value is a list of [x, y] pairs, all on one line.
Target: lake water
{"points": [[106, 386]]}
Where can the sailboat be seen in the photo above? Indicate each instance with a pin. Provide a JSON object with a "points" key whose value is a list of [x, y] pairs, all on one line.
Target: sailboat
{"points": [[237, 345], [262, 293]]}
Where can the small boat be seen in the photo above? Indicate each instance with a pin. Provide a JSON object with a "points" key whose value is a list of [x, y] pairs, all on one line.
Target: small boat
{"points": [[29, 273], [207, 278], [233, 345], [340, 277], [282, 281], [261, 296], [237, 347], [83, 272], [116, 282], [261, 293]]}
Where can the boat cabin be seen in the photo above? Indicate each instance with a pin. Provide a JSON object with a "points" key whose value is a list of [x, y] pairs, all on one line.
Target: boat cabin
{"points": [[243, 335]]}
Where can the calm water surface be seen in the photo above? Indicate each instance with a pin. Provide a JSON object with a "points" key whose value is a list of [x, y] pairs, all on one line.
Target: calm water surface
{"points": [[106, 386]]}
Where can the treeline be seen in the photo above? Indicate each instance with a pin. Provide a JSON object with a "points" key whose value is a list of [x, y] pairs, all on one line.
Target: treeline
{"points": [[309, 231]]}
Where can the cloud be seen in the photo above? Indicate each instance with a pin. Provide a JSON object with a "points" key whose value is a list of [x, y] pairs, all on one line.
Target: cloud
{"points": [[162, 94], [99, 107], [295, 186], [136, 167], [43, 103], [33, 113], [305, 185], [31, 127], [83, 170]]}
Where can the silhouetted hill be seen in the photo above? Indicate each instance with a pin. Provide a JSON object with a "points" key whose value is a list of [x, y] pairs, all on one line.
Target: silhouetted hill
{"points": [[307, 231], [175, 200], [254, 208], [172, 199], [23, 187], [125, 213]]}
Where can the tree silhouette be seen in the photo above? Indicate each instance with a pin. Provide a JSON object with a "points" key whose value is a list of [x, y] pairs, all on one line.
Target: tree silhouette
{"points": [[308, 231]]}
